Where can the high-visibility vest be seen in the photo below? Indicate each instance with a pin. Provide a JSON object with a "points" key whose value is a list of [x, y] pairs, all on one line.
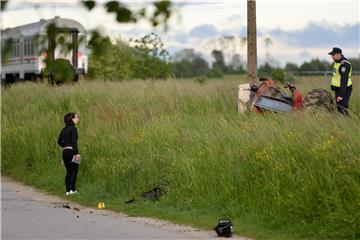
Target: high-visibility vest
{"points": [[336, 79]]}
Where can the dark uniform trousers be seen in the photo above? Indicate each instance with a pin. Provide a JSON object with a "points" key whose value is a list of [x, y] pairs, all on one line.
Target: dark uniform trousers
{"points": [[343, 105]]}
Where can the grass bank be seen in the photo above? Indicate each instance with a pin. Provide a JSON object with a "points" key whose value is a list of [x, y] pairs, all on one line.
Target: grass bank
{"points": [[276, 176]]}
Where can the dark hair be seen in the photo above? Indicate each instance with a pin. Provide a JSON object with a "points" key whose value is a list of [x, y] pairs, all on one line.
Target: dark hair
{"points": [[68, 118]]}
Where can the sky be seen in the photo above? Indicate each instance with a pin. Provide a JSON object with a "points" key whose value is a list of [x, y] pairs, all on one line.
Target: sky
{"points": [[298, 30]]}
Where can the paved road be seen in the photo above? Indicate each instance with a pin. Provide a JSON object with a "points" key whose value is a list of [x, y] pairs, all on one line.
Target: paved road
{"points": [[29, 214]]}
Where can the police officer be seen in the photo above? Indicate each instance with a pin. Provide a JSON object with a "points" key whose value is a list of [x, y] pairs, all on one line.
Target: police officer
{"points": [[341, 82]]}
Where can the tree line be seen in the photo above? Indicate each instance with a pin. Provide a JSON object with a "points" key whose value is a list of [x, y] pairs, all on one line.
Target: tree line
{"points": [[146, 58]]}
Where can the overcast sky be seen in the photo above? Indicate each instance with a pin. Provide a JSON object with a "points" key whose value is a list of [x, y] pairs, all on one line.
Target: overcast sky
{"points": [[299, 30]]}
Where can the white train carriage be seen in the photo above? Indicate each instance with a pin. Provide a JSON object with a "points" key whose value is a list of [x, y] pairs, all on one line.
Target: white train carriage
{"points": [[28, 42]]}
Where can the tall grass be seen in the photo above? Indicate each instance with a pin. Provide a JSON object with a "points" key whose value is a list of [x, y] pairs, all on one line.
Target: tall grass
{"points": [[277, 176]]}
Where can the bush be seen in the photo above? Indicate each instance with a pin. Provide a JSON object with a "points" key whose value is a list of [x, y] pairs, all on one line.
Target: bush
{"points": [[119, 61], [59, 71], [215, 72], [278, 74]]}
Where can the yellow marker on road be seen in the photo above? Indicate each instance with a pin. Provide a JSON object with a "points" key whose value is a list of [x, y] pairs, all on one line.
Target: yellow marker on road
{"points": [[101, 205]]}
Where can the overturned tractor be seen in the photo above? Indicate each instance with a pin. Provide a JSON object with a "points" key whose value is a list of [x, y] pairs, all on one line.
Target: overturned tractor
{"points": [[269, 97]]}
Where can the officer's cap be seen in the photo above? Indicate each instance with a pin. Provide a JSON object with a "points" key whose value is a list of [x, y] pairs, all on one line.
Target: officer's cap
{"points": [[335, 50]]}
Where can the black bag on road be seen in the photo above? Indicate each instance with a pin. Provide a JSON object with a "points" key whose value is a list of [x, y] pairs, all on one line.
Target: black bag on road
{"points": [[224, 228]]}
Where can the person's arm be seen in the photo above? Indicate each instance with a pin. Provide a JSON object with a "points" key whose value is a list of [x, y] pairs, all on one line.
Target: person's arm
{"points": [[60, 139], [74, 141], [344, 70]]}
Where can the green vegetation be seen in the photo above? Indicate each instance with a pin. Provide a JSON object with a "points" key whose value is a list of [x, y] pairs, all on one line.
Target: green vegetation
{"points": [[120, 61], [276, 176], [146, 58]]}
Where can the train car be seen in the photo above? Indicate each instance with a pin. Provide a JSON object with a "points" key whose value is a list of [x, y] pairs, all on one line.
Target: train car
{"points": [[28, 47]]}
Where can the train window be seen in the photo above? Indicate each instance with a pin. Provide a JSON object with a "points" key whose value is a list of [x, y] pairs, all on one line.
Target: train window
{"points": [[31, 52], [35, 47], [28, 47], [16, 49], [25, 47], [31, 47], [9, 45], [12, 50]]}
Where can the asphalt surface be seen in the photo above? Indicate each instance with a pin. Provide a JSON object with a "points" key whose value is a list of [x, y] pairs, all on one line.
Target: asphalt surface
{"points": [[29, 214]]}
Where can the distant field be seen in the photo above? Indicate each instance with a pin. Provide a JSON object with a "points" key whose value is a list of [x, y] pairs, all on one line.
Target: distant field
{"points": [[276, 176]]}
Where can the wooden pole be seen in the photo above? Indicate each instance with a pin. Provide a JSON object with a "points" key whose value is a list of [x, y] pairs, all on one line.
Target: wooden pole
{"points": [[251, 42]]}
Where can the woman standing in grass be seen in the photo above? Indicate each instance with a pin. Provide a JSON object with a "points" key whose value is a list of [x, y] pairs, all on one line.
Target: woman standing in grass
{"points": [[68, 141]]}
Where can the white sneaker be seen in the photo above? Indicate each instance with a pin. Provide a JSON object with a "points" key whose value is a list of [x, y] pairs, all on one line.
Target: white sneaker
{"points": [[72, 192], [67, 193]]}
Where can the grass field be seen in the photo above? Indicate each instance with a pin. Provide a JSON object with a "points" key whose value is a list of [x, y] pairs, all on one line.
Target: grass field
{"points": [[276, 176]]}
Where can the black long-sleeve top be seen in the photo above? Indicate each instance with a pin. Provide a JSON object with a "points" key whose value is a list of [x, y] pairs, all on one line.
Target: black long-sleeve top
{"points": [[68, 138]]}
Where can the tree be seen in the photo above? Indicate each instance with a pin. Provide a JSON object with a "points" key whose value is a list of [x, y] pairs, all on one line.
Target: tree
{"points": [[275, 73], [316, 65], [265, 69], [152, 45], [236, 65], [291, 67], [219, 61], [187, 54], [200, 66], [119, 61], [355, 63], [187, 63], [110, 64], [182, 69], [150, 58]]}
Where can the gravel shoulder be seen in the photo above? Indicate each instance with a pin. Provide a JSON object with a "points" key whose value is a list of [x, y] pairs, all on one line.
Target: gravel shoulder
{"points": [[28, 213]]}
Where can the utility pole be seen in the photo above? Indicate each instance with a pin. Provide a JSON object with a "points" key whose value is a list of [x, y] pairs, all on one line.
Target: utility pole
{"points": [[251, 43]]}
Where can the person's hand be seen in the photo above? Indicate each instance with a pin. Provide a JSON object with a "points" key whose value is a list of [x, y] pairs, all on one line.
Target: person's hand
{"points": [[77, 156], [338, 99]]}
